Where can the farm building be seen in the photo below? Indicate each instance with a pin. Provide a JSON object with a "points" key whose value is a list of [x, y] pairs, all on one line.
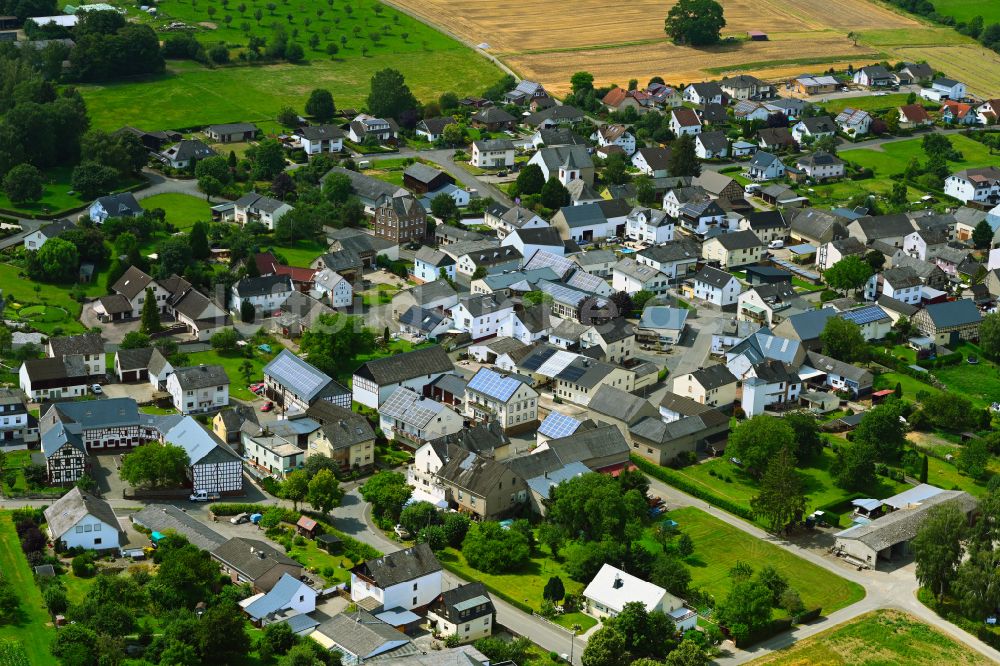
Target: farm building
{"points": [[889, 536]]}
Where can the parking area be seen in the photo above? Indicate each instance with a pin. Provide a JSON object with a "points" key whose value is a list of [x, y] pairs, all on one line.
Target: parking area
{"points": [[142, 392], [104, 470]]}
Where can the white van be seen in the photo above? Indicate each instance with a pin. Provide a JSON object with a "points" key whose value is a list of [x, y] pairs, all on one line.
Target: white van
{"points": [[752, 188], [776, 245]]}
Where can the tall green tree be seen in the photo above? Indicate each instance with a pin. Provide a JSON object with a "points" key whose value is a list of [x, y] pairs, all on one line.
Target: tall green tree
{"points": [[881, 429], [57, 261], [843, 340], [937, 548], [149, 320], [781, 498], [199, 241], [267, 159], [850, 273], [854, 468], [982, 235], [683, 160], [320, 105], [746, 609], [389, 96], [23, 183], [989, 335], [554, 194], [759, 440], [295, 487], [695, 22], [387, 492], [324, 491], [530, 180], [156, 465]]}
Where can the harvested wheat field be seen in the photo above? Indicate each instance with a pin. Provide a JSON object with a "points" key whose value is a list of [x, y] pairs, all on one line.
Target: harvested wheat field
{"points": [[975, 66], [548, 41]]}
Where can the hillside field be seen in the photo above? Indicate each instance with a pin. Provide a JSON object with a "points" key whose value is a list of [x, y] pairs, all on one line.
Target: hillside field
{"points": [[615, 46], [368, 36]]}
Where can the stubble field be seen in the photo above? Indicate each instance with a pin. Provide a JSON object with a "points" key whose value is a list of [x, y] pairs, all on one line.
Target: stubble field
{"points": [[545, 41], [627, 41]]}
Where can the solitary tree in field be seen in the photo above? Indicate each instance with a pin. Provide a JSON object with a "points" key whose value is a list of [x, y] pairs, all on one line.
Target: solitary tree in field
{"points": [[695, 22], [320, 105], [853, 36]]}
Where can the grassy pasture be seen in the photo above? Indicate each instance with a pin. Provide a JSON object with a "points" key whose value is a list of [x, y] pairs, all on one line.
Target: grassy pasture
{"points": [[880, 637]]}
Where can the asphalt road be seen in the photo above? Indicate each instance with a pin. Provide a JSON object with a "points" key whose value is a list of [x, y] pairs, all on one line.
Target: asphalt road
{"points": [[443, 157]]}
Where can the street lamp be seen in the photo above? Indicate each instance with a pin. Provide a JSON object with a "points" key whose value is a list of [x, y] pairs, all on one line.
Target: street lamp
{"points": [[572, 641]]}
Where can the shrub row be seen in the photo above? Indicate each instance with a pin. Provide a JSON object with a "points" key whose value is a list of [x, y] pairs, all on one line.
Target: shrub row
{"points": [[677, 481], [520, 605], [777, 626]]}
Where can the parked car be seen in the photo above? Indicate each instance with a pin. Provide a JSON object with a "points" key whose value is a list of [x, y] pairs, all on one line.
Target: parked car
{"points": [[776, 245], [204, 496], [402, 532], [268, 406], [240, 518], [96, 389]]}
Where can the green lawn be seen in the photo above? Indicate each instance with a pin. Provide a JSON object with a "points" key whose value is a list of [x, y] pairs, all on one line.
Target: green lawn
{"points": [[569, 620], [190, 95], [22, 292], [300, 253], [740, 487], [182, 210], [56, 195], [979, 383], [896, 156], [886, 636], [317, 559], [866, 103], [966, 10], [910, 385], [943, 474], [32, 626], [525, 585], [232, 361], [840, 192], [719, 546]]}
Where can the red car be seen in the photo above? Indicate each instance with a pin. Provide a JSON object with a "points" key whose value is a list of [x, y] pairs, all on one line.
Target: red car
{"points": [[267, 407]]}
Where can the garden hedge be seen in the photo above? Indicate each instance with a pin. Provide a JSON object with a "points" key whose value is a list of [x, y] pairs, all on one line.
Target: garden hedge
{"points": [[674, 479]]}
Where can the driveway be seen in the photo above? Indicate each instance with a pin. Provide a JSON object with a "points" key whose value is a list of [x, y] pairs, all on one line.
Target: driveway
{"points": [[113, 332], [141, 392]]}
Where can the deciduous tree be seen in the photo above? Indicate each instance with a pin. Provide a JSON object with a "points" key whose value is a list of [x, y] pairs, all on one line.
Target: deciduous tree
{"points": [[843, 340], [695, 22], [324, 491], [758, 440], [389, 96], [849, 273], [155, 465], [937, 548], [320, 105], [683, 160]]}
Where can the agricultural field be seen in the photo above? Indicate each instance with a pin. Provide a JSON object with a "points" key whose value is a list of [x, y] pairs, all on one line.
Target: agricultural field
{"points": [[368, 36], [629, 42], [966, 10], [978, 67], [719, 546], [896, 155], [880, 637]]}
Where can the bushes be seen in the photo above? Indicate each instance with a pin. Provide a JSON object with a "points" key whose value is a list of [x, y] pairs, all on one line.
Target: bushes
{"points": [[83, 565], [679, 482]]}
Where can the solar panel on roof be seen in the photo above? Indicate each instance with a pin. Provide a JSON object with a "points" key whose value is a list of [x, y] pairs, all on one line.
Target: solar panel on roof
{"points": [[864, 315], [493, 384], [535, 361], [558, 425], [572, 373]]}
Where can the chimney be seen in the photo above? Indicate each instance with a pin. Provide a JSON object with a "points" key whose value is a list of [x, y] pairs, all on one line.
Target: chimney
{"points": [[618, 582]]}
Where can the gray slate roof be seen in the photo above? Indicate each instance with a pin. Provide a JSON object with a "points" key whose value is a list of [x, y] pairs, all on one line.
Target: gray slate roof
{"points": [[67, 511], [165, 518], [201, 376], [394, 369], [251, 557], [400, 566]]}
